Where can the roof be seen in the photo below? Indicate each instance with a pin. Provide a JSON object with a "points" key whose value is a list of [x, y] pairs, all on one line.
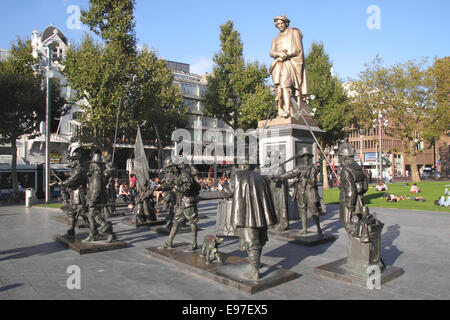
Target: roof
{"points": [[49, 31]]}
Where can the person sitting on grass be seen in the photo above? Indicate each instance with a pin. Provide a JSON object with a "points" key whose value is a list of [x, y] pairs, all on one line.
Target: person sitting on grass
{"points": [[381, 186], [414, 189], [393, 198]]}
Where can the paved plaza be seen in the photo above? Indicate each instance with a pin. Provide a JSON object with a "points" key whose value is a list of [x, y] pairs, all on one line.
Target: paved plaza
{"points": [[33, 266]]}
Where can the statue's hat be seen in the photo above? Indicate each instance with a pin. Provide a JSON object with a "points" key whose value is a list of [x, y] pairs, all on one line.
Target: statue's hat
{"points": [[282, 18], [304, 151]]}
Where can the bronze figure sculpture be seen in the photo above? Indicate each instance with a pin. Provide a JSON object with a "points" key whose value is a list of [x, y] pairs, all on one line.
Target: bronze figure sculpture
{"points": [[358, 222], [279, 190], [144, 204], [96, 199], [252, 212], [306, 190], [210, 248], [288, 68], [186, 191], [75, 186]]}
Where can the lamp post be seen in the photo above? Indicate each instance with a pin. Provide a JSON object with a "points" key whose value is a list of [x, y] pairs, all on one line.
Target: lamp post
{"points": [[48, 73], [361, 137]]}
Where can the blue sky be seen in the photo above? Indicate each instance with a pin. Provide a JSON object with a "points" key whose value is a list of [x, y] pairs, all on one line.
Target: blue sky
{"points": [[188, 31]]}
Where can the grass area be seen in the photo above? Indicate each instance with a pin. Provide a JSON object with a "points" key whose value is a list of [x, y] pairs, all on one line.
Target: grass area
{"points": [[431, 191], [51, 205]]}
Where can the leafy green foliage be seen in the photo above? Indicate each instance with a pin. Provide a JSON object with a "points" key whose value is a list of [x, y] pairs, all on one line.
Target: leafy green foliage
{"points": [[331, 103], [113, 21], [106, 75], [405, 92], [439, 123], [236, 90], [22, 100]]}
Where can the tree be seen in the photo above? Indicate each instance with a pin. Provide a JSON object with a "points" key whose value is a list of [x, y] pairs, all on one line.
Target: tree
{"points": [[236, 90], [406, 92], [22, 100], [106, 75], [439, 124], [330, 100], [113, 21]]}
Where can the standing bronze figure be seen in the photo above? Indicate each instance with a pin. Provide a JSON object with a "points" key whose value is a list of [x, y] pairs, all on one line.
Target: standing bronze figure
{"points": [[75, 186], [279, 190], [353, 185], [110, 174], [361, 226], [288, 68], [252, 212], [306, 190], [144, 204], [96, 200], [186, 191]]}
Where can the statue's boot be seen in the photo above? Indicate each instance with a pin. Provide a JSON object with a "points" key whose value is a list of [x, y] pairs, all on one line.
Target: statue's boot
{"points": [[194, 245], [71, 231], [169, 220], [92, 226], [106, 212], [304, 216], [254, 256], [317, 222], [173, 231]]}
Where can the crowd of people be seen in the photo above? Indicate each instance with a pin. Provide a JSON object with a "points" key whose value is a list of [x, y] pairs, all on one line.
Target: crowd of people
{"points": [[207, 184], [126, 190]]}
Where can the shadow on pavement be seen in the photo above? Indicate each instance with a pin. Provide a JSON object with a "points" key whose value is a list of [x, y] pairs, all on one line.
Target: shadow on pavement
{"points": [[389, 251], [11, 286], [40, 249]]}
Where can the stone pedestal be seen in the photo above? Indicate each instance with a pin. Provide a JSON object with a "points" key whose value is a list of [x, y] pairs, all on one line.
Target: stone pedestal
{"points": [[76, 244], [362, 257], [228, 273], [288, 136]]}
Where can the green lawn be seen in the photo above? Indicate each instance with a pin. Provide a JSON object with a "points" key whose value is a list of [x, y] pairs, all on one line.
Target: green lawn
{"points": [[429, 190]]}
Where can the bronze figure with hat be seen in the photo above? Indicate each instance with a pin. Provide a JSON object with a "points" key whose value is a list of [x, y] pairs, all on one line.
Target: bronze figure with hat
{"points": [[306, 190]]}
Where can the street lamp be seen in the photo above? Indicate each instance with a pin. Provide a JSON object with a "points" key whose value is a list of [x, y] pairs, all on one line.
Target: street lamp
{"points": [[381, 123], [361, 137], [48, 75]]}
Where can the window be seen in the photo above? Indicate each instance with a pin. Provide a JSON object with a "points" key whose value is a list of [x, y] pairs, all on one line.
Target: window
{"points": [[189, 88], [191, 104]]}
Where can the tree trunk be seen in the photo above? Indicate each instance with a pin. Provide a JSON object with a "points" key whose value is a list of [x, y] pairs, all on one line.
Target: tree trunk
{"points": [[14, 163], [412, 160]]}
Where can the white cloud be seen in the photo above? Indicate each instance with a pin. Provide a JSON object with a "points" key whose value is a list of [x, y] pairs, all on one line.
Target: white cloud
{"points": [[201, 65]]}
